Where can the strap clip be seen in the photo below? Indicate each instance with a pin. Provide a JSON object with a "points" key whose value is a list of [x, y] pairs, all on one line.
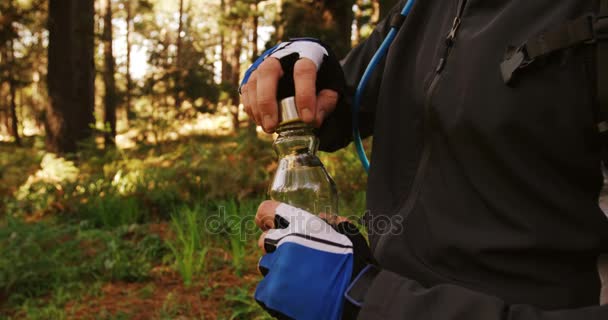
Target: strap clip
{"points": [[600, 27], [397, 20], [516, 58]]}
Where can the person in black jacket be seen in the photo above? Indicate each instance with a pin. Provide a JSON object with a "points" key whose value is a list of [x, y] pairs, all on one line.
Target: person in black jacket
{"points": [[491, 189]]}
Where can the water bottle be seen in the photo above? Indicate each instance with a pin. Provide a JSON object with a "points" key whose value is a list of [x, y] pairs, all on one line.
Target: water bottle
{"points": [[301, 179]]}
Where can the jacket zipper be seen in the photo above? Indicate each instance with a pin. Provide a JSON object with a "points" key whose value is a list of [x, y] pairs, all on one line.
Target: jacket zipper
{"points": [[426, 151]]}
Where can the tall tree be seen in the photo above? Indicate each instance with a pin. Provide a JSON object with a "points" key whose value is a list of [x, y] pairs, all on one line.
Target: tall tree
{"points": [[225, 65], [12, 81], [71, 74], [338, 17], [255, 17], [12, 84], [255, 52], [10, 67], [4, 107], [241, 16], [236, 75], [279, 24], [134, 14], [22, 60], [235, 13], [129, 79], [109, 80], [178, 58]]}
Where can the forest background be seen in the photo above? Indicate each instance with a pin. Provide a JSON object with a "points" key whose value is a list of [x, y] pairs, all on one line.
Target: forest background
{"points": [[122, 137]]}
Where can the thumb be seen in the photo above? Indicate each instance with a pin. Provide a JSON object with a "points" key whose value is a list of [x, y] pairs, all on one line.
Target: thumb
{"points": [[326, 103]]}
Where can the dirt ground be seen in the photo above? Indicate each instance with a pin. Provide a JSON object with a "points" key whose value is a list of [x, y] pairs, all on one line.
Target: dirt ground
{"points": [[165, 296]]}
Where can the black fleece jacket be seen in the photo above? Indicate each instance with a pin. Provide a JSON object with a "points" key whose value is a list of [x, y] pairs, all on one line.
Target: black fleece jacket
{"points": [[490, 191]]}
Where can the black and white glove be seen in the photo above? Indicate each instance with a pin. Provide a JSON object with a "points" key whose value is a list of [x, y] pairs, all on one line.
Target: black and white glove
{"points": [[329, 71], [311, 269]]}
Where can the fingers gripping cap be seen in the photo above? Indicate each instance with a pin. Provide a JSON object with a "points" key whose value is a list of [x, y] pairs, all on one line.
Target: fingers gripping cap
{"points": [[289, 111]]}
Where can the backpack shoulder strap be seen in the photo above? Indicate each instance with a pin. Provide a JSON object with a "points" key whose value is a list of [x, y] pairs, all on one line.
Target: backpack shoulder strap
{"points": [[590, 29], [602, 64]]}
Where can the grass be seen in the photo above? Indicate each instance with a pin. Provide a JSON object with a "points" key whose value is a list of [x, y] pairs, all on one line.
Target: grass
{"points": [[36, 258], [242, 306], [111, 211], [235, 231], [188, 247], [161, 232], [43, 257]]}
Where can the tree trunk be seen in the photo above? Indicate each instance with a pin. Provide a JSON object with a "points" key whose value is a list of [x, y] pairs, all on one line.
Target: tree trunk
{"points": [[12, 83], [128, 75], [279, 20], [109, 79], [251, 126], [6, 109], [178, 54], [236, 75], [71, 74], [340, 21], [256, 24], [223, 50], [13, 111]]}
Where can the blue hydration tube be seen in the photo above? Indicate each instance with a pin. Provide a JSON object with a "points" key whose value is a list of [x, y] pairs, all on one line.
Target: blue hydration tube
{"points": [[378, 56]]}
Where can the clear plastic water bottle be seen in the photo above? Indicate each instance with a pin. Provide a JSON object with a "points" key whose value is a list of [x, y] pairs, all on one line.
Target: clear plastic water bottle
{"points": [[301, 179]]}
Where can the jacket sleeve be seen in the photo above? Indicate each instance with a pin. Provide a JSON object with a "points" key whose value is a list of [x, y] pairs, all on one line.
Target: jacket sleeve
{"points": [[336, 131], [391, 296]]}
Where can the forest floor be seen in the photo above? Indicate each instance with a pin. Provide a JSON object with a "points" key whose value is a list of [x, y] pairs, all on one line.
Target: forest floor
{"points": [[222, 294], [157, 231], [164, 296]]}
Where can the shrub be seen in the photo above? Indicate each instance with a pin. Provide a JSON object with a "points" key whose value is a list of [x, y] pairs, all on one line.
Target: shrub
{"points": [[48, 185]]}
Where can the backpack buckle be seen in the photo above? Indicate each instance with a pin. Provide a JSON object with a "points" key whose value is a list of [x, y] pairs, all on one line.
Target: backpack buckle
{"points": [[515, 58], [600, 27]]}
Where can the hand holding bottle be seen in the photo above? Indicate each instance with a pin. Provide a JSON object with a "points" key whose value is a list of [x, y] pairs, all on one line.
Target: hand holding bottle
{"points": [[301, 179], [309, 266], [308, 67]]}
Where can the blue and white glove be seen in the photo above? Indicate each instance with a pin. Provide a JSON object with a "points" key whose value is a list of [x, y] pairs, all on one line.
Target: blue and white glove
{"points": [[329, 70], [309, 267]]}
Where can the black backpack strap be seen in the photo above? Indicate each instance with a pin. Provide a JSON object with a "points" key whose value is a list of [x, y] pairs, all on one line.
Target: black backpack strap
{"points": [[591, 29], [585, 30], [602, 65]]}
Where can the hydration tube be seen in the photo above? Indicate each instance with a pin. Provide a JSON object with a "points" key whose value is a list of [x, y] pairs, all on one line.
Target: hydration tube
{"points": [[378, 56]]}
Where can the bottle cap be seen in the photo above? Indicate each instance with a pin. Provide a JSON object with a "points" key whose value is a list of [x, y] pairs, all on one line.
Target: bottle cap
{"points": [[289, 111]]}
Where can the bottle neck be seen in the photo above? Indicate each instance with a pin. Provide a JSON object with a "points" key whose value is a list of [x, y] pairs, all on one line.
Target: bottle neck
{"points": [[295, 138]]}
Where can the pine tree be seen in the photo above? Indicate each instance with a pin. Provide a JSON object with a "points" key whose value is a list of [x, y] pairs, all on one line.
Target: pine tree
{"points": [[129, 79], [12, 82], [110, 97], [71, 74]]}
